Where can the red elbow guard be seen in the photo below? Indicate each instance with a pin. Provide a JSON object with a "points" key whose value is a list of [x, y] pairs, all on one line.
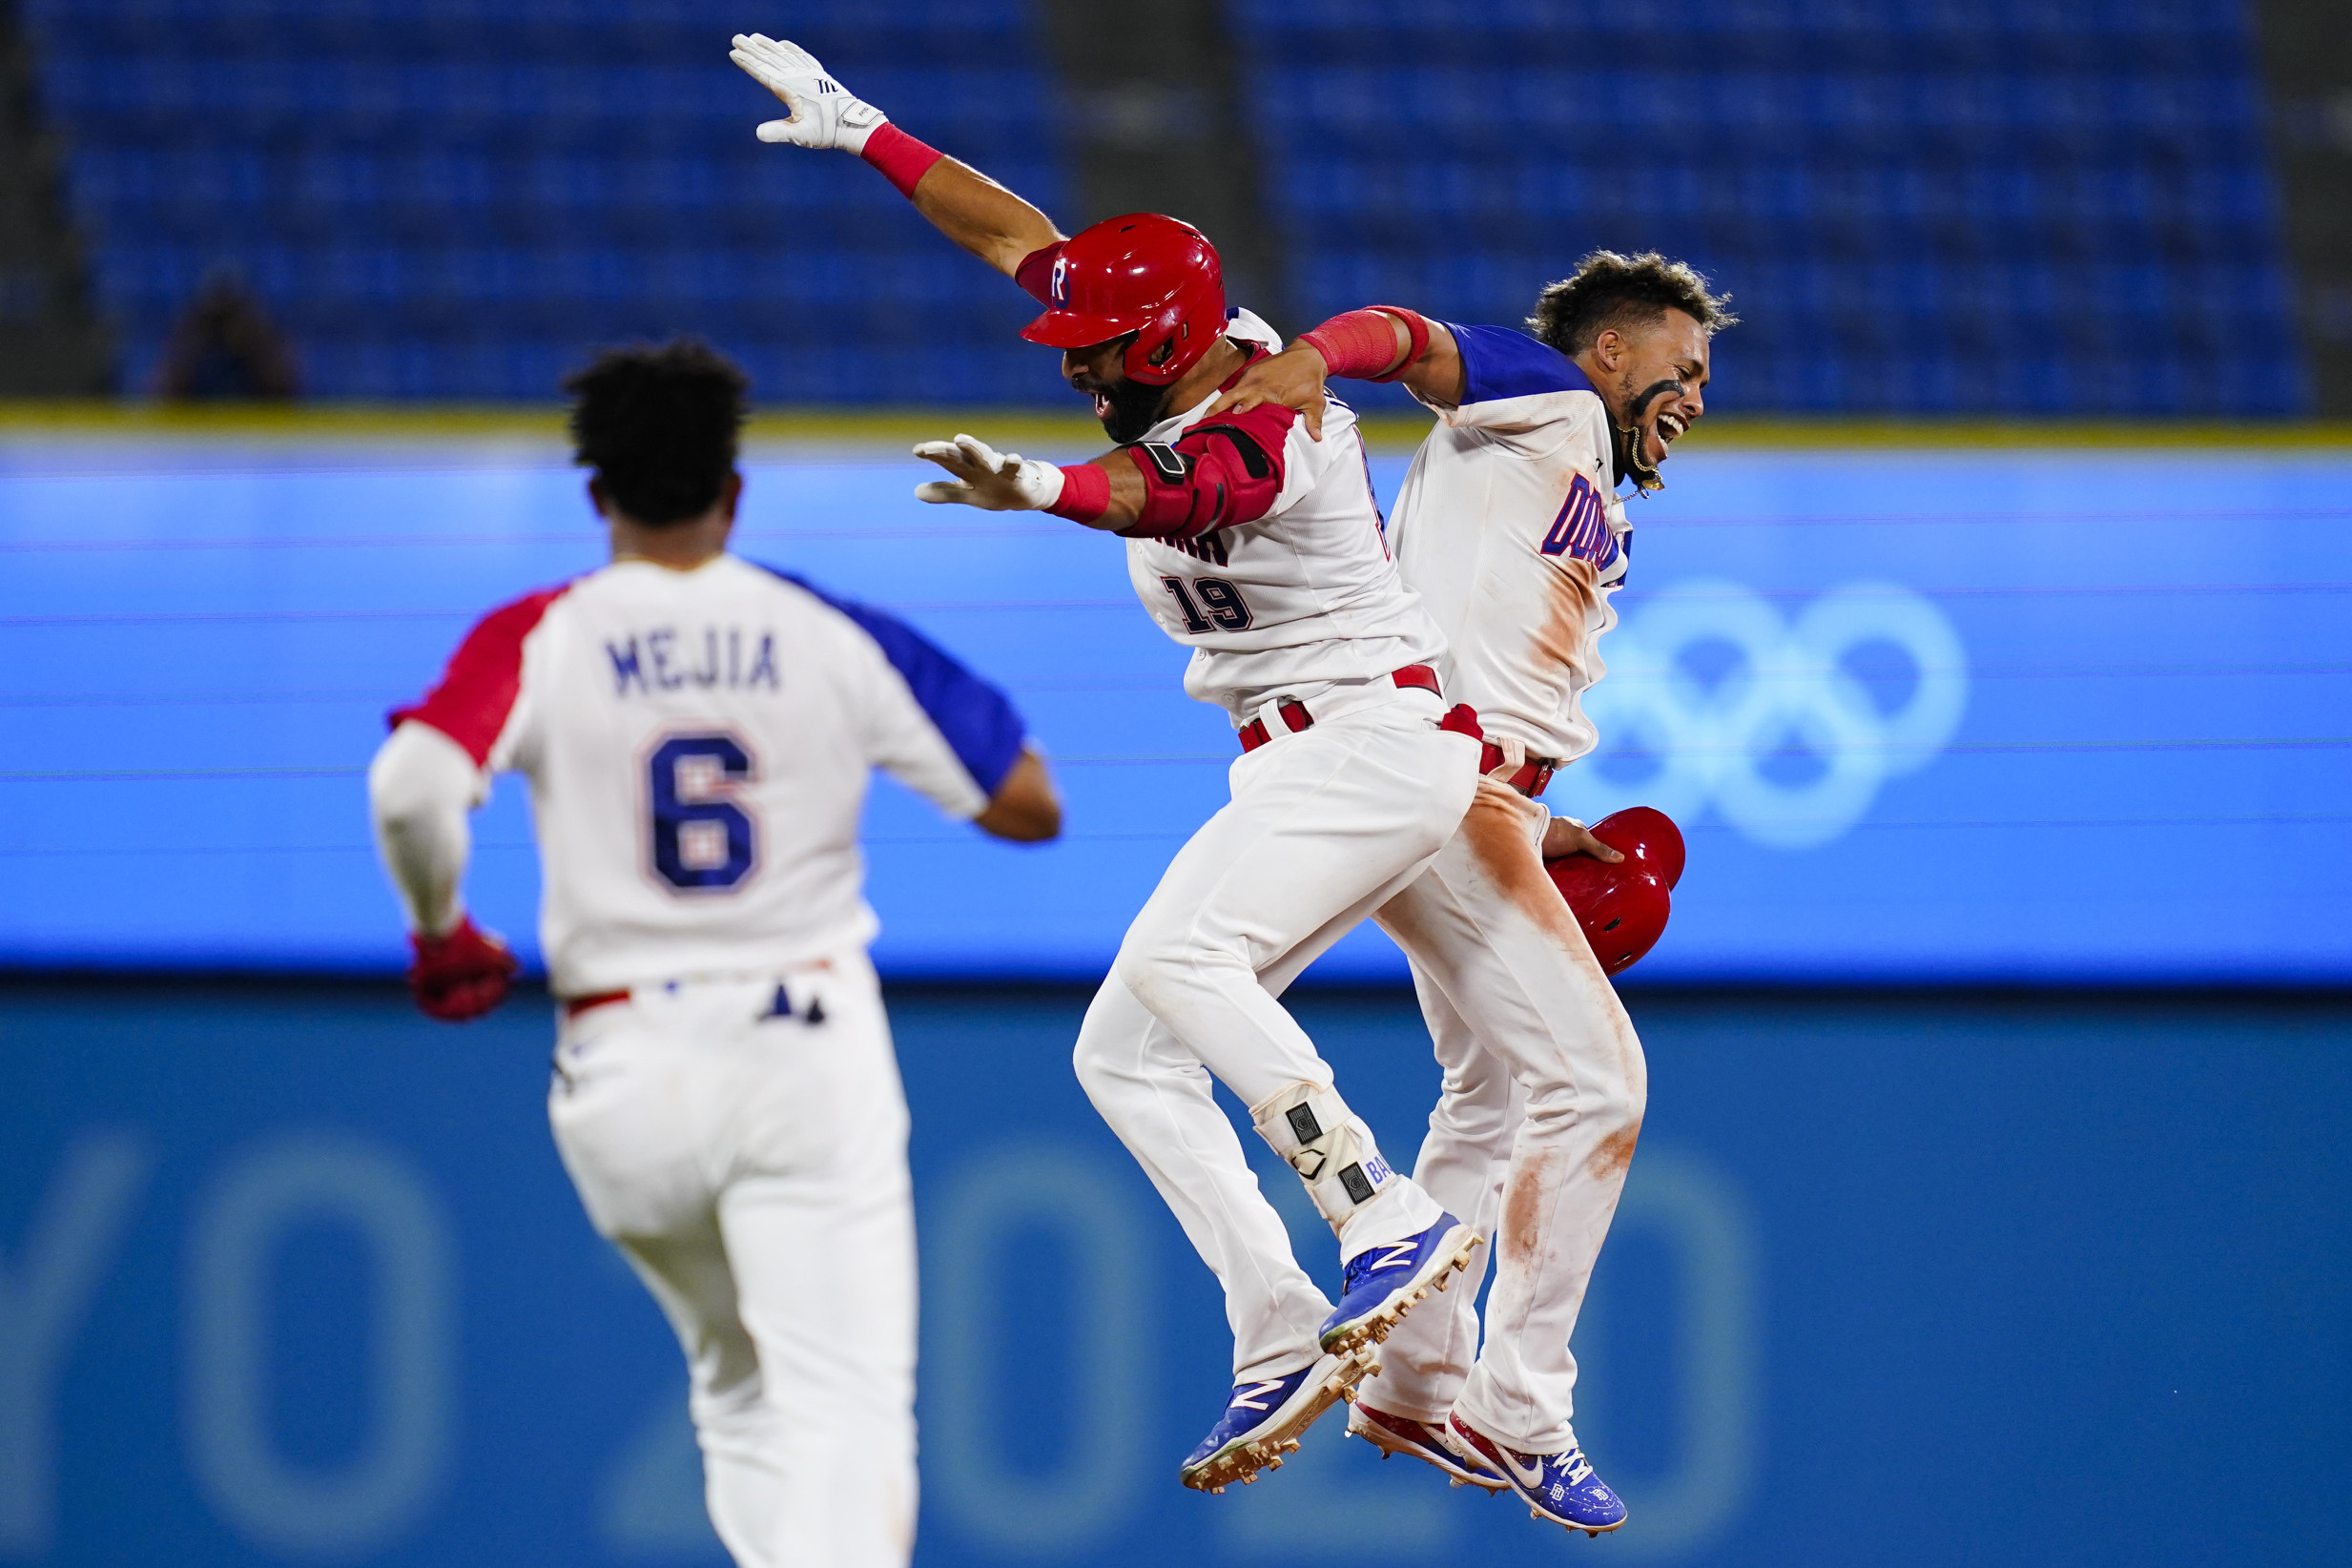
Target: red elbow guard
{"points": [[1217, 476], [1360, 343]]}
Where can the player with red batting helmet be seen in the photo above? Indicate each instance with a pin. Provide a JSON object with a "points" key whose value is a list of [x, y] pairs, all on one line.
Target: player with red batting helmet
{"points": [[1511, 527], [1261, 551]]}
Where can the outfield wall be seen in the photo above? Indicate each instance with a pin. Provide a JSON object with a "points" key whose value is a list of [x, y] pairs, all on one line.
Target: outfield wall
{"points": [[2068, 711], [294, 1276]]}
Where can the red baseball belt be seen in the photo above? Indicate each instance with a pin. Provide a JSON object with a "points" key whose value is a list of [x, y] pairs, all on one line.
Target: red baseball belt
{"points": [[1420, 677], [1531, 779], [574, 1006]]}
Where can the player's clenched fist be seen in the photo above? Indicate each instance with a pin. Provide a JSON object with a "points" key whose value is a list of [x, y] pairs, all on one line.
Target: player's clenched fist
{"points": [[460, 976], [825, 114], [993, 481]]}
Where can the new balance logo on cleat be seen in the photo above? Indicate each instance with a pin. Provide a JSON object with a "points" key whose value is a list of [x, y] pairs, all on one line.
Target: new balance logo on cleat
{"points": [[1263, 1420], [1256, 1396], [1382, 1283]]}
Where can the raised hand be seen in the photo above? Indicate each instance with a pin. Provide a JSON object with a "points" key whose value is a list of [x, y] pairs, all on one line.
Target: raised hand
{"points": [[825, 114]]}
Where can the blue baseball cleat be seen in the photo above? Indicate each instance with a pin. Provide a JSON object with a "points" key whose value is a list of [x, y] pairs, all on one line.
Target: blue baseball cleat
{"points": [[1263, 1422], [1381, 1284], [1559, 1487], [1395, 1434]]}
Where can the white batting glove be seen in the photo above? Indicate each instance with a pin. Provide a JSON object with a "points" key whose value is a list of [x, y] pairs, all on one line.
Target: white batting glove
{"points": [[825, 114], [993, 481]]}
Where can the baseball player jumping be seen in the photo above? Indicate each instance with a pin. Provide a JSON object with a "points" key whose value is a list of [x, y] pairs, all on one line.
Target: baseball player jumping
{"points": [[1511, 528], [698, 734], [1262, 550]]}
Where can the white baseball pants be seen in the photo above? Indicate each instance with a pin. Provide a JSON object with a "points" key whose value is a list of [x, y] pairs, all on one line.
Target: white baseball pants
{"points": [[1544, 1092], [1323, 826], [750, 1163]]}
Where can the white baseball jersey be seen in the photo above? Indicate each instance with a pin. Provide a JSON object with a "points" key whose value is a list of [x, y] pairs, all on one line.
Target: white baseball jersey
{"points": [[1306, 596], [698, 745], [1510, 529]]}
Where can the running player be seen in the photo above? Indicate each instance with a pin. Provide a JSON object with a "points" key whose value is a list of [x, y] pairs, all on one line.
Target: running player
{"points": [[1261, 550], [1511, 527], [698, 732]]}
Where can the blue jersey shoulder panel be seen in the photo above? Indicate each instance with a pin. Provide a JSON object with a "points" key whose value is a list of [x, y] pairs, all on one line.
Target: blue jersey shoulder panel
{"points": [[977, 721], [1498, 362]]}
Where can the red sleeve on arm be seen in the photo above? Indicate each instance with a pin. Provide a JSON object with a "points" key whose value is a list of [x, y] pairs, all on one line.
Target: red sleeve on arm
{"points": [[903, 160], [1217, 476], [1085, 493], [485, 676], [1361, 343], [1036, 272]]}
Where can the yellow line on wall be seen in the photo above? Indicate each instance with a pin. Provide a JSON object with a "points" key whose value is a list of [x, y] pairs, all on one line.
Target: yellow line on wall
{"points": [[1018, 426]]}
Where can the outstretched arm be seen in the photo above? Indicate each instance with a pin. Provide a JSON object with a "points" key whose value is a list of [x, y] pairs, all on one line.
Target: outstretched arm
{"points": [[963, 203], [981, 216], [1383, 343], [1218, 474]]}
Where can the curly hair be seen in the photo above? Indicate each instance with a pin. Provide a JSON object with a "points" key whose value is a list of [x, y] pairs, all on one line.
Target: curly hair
{"points": [[1608, 290], [658, 426]]}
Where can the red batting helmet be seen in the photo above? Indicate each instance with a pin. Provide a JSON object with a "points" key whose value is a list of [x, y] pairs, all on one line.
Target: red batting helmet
{"points": [[1142, 274], [1624, 907]]}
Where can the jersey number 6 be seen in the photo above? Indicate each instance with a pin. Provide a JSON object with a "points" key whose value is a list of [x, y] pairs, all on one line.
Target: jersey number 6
{"points": [[703, 842]]}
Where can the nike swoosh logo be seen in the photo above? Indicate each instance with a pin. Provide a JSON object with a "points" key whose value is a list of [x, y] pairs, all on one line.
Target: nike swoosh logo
{"points": [[1399, 1254], [1530, 1478]]}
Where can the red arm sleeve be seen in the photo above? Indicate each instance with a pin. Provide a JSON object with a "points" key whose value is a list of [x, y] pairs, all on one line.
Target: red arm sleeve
{"points": [[485, 676], [1216, 475], [1036, 272], [1361, 343], [903, 160]]}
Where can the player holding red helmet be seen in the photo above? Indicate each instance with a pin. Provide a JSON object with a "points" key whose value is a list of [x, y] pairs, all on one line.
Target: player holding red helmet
{"points": [[1262, 550], [1511, 527]]}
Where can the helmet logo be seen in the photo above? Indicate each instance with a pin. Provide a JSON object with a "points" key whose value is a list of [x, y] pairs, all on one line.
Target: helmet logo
{"points": [[1059, 288]]}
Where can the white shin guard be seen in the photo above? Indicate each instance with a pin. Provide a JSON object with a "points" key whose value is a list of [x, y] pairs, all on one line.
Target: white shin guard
{"points": [[1329, 1147]]}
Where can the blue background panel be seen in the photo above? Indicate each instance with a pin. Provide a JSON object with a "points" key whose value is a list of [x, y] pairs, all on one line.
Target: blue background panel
{"points": [[2049, 1283], [2043, 716]]}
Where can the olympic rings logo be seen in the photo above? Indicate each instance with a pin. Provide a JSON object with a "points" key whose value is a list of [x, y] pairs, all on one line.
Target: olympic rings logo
{"points": [[1787, 727]]}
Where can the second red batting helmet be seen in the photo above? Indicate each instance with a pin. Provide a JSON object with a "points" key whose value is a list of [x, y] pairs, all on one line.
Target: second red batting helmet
{"points": [[1624, 907], [1142, 274]]}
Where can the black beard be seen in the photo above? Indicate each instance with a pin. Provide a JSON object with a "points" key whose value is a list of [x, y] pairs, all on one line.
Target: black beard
{"points": [[1629, 437], [1135, 408]]}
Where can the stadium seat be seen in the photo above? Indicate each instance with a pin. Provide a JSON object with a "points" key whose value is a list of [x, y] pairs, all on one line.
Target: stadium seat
{"points": [[459, 198], [514, 180], [1985, 179]]}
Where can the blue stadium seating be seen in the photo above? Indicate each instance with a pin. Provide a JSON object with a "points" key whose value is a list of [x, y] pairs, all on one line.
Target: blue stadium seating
{"points": [[1934, 206], [1990, 206], [458, 198]]}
